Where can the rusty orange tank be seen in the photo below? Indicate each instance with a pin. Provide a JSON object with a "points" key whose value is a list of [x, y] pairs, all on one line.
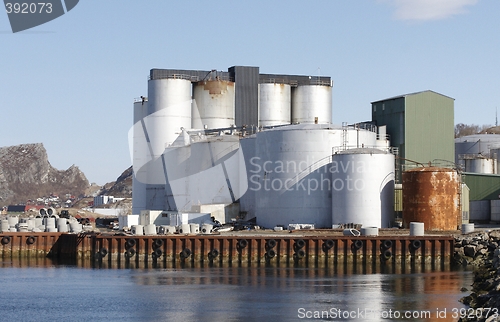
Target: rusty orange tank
{"points": [[431, 195]]}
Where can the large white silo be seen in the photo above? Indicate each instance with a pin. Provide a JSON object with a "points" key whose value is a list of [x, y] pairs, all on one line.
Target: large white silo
{"points": [[169, 110], [363, 187], [213, 104], [274, 104], [312, 104], [289, 175]]}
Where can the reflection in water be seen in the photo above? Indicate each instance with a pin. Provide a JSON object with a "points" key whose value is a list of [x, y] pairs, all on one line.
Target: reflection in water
{"points": [[47, 290]]}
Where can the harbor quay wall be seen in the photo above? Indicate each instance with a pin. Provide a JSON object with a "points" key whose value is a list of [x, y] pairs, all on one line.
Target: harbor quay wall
{"points": [[301, 250]]}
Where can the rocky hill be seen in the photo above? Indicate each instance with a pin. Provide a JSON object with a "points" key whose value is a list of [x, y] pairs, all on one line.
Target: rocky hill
{"points": [[121, 188], [25, 173]]}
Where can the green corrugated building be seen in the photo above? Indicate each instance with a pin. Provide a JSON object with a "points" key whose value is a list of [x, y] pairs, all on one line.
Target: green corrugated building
{"points": [[421, 125]]}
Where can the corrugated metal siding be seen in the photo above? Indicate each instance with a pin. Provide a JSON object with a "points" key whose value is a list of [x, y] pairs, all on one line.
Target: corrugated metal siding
{"points": [[483, 186], [429, 127], [246, 81]]}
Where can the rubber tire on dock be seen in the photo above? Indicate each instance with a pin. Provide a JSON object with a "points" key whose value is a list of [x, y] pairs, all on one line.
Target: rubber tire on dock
{"points": [[5, 240], [103, 252], [157, 253], [30, 240], [386, 254], [415, 244], [300, 243], [158, 243], [271, 243], [242, 243], [130, 243], [328, 244], [214, 253], [271, 253], [386, 244], [186, 252], [357, 244], [300, 254], [130, 253]]}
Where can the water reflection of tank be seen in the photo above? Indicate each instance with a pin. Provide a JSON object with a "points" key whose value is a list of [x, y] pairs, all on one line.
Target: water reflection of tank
{"points": [[213, 105], [431, 195], [274, 104], [312, 104], [363, 187]]}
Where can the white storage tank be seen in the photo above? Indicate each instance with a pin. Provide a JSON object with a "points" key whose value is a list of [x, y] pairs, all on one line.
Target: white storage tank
{"points": [[363, 187], [480, 164], [312, 104], [274, 104], [289, 174], [213, 104]]}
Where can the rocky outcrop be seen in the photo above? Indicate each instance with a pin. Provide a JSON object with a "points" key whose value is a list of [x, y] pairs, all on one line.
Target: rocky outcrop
{"points": [[481, 251], [25, 173], [121, 188]]}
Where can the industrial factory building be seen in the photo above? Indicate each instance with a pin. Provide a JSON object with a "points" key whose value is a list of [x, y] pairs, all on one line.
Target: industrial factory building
{"points": [[421, 125], [240, 144]]}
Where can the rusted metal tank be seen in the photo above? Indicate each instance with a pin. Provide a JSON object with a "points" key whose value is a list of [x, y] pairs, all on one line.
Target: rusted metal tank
{"points": [[431, 195]]}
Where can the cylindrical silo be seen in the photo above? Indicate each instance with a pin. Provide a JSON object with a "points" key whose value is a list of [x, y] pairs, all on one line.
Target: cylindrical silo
{"points": [[363, 188], [274, 104], [431, 195], [213, 104], [312, 104], [169, 110]]}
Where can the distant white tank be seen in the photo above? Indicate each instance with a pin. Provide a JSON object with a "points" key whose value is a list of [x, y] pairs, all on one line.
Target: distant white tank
{"points": [[213, 104], [480, 164], [363, 188], [312, 104], [274, 104]]}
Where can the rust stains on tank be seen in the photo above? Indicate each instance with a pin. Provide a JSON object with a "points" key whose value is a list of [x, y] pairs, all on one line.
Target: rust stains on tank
{"points": [[431, 195], [216, 87]]}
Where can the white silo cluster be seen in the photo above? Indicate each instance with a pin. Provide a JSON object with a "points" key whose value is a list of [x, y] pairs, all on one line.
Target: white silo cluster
{"points": [[291, 175], [478, 153], [187, 152]]}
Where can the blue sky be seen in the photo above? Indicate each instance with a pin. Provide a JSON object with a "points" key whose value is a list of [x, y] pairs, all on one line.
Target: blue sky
{"points": [[70, 83]]}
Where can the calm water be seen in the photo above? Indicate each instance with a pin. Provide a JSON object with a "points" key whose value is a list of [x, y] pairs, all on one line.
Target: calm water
{"points": [[43, 291]]}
